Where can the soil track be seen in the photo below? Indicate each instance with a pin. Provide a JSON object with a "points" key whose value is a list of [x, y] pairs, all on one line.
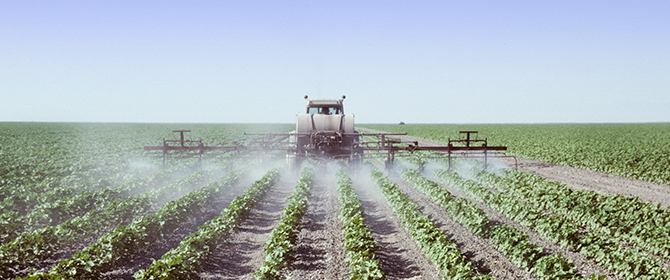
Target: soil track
{"points": [[603, 183]]}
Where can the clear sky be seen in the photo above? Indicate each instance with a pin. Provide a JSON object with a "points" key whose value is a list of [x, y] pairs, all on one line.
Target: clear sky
{"points": [[413, 61]]}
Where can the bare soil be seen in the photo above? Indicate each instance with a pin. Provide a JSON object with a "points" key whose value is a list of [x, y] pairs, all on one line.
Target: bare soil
{"points": [[319, 251]]}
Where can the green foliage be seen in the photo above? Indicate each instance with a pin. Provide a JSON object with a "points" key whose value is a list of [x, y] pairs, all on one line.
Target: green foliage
{"points": [[65, 182], [462, 210], [283, 237], [30, 248], [43, 162], [513, 242], [516, 246], [645, 224], [358, 241], [124, 241], [554, 228], [508, 240], [608, 218], [432, 241], [184, 261]]}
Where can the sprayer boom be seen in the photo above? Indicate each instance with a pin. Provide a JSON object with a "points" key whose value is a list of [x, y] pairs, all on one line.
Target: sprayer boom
{"points": [[325, 132]]}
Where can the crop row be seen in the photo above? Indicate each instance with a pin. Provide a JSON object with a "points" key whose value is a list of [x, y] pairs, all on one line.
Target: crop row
{"points": [[506, 239], [283, 237], [462, 210], [432, 241], [551, 227], [184, 261], [30, 248], [597, 246], [23, 202], [628, 218], [68, 207], [358, 241], [124, 241]]}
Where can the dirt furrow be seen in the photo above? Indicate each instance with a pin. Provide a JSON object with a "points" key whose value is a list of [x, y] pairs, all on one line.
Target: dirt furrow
{"points": [[319, 251], [242, 254], [400, 257]]}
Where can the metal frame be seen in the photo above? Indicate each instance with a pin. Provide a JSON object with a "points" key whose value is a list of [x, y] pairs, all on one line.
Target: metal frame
{"points": [[467, 143]]}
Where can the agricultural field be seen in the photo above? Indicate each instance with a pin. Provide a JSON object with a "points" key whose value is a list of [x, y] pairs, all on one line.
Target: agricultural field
{"points": [[85, 201]]}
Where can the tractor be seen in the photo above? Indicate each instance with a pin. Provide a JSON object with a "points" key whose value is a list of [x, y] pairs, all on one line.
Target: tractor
{"points": [[324, 132]]}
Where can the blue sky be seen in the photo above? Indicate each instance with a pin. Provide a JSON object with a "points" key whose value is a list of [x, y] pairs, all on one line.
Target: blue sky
{"points": [[412, 61]]}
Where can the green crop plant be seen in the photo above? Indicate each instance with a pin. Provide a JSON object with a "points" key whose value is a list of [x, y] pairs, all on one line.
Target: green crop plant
{"points": [[432, 241], [184, 261], [283, 237], [358, 241]]}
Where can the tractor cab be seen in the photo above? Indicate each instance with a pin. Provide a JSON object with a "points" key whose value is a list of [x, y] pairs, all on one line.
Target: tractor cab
{"points": [[325, 106]]}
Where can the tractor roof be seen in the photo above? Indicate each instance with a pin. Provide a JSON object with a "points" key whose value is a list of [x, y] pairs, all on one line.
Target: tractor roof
{"points": [[324, 102]]}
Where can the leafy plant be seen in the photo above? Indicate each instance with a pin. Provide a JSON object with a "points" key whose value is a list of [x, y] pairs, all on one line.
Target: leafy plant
{"points": [[608, 218], [358, 241], [508, 240], [184, 261], [444, 254], [124, 241]]}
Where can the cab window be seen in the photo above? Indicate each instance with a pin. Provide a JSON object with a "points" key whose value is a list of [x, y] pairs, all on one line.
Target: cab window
{"points": [[324, 110]]}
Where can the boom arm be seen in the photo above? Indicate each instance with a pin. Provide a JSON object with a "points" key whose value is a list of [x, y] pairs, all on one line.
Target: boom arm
{"points": [[276, 142]]}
